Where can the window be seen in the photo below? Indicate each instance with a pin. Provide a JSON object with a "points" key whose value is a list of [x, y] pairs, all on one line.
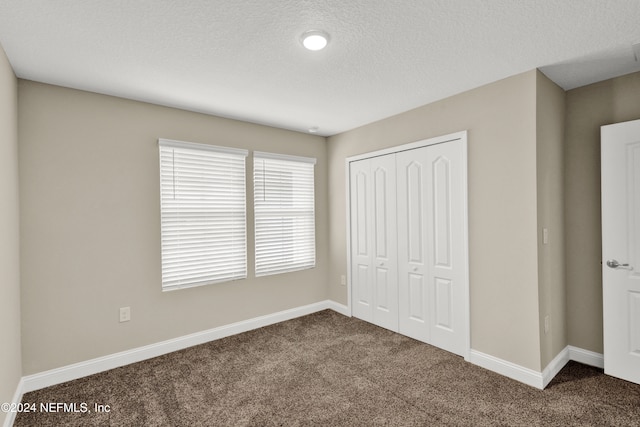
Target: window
{"points": [[284, 213], [203, 214]]}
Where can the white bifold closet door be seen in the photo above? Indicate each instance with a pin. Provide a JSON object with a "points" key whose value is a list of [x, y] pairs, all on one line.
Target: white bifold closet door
{"points": [[374, 258], [407, 240]]}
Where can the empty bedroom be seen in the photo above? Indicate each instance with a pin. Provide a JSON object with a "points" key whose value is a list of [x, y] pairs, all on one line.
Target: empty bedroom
{"points": [[319, 213]]}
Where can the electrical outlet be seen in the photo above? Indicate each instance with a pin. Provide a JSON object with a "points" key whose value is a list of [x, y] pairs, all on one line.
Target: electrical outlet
{"points": [[547, 324], [343, 280], [545, 236], [125, 314]]}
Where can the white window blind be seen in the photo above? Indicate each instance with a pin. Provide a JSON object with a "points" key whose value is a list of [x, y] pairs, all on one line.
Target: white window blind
{"points": [[203, 214], [284, 213]]}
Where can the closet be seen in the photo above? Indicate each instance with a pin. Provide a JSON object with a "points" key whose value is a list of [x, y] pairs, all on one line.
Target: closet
{"points": [[408, 240]]}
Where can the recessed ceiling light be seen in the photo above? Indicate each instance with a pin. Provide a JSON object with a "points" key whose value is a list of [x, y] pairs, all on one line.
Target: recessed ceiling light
{"points": [[315, 39], [314, 129]]}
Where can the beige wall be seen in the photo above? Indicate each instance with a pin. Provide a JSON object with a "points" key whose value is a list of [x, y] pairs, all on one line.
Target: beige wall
{"points": [[10, 354], [550, 109], [588, 108], [501, 120], [91, 232]]}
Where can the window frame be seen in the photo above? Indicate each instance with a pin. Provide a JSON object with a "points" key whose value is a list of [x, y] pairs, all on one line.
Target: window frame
{"points": [[202, 194], [300, 214]]}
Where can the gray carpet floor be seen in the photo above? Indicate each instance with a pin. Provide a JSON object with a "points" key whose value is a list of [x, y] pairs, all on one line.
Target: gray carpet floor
{"points": [[330, 370]]}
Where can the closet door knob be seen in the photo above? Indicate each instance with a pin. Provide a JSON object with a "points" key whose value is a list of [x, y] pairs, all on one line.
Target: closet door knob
{"points": [[415, 268], [382, 264]]}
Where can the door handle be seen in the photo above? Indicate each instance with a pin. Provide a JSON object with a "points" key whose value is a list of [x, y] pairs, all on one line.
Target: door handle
{"points": [[612, 263]]}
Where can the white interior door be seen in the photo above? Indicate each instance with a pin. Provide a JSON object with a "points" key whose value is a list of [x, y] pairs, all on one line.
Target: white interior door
{"points": [[385, 260], [621, 249], [361, 246], [374, 260], [431, 245], [446, 253], [413, 266]]}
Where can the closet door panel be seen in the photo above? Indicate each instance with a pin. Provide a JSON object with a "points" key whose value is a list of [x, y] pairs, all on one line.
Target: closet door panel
{"points": [[441, 210], [443, 303], [445, 253], [373, 241], [414, 208], [414, 287], [415, 295], [385, 312], [361, 244]]}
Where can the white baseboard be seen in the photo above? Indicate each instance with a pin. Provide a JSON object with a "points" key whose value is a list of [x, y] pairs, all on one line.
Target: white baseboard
{"points": [[508, 369], [100, 364], [555, 366], [586, 357], [339, 308], [17, 398], [531, 377]]}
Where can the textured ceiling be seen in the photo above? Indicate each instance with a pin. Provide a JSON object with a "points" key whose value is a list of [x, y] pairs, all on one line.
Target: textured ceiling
{"points": [[244, 60]]}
